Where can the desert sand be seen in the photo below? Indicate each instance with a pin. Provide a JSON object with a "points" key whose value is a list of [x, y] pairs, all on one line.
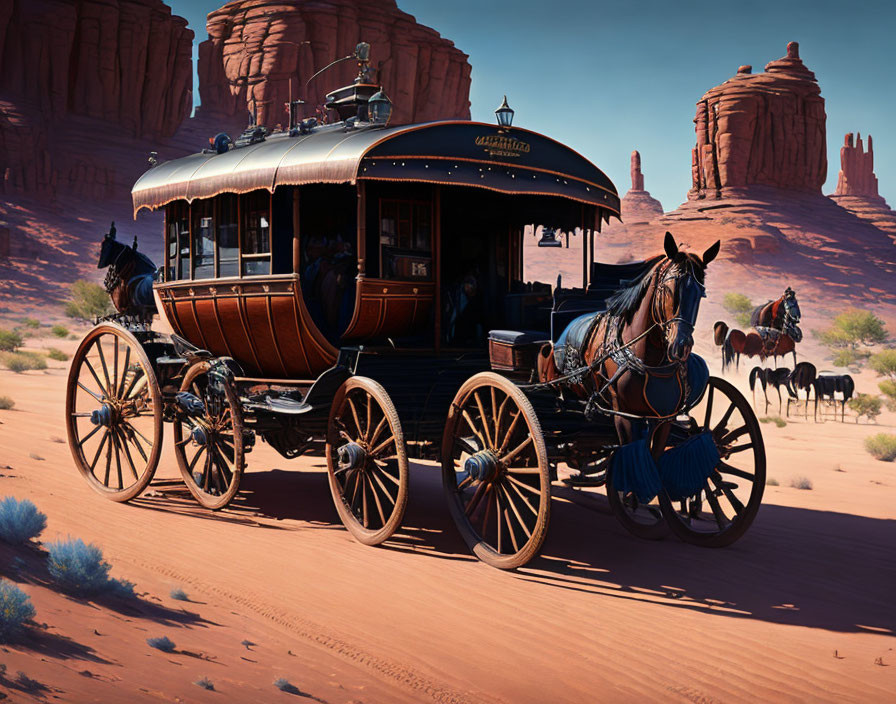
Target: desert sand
{"points": [[800, 609]]}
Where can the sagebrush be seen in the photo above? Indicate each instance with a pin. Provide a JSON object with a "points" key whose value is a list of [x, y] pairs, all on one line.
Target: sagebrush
{"points": [[57, 354], [88, 301], [20, 521], [22, 361], [10, 340], [15, 610], [6, 403], [79, 568]]}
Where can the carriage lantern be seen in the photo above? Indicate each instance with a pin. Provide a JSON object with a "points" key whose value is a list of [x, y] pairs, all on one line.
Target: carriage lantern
{"points": [[549, 238], [379, 108], [504, 114]]}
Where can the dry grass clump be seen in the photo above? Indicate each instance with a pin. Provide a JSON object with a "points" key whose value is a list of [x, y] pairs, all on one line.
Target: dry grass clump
{"points": [[803, 483], [22, 361], [771, 481], [57, 354], [881, 447], [6, 403], [777, 420]]}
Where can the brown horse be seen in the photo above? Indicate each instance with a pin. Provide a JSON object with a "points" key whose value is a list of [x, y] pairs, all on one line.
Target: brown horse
{"points": [[780, 314], [638, 349], [735, 343]]}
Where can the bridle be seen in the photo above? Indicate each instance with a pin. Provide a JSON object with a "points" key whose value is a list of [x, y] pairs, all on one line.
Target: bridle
{"points": [[663, 288]]}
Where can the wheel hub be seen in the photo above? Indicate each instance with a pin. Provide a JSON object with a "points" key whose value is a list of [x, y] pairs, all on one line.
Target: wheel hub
{"points": [[483, 466], [104, 415], [351, 456]]}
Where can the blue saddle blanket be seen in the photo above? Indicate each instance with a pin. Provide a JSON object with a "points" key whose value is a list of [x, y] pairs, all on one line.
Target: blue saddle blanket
{"points": [[568, 348]]}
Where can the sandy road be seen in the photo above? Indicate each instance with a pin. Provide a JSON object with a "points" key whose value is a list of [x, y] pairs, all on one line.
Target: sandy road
{"points": [[600, 616]]}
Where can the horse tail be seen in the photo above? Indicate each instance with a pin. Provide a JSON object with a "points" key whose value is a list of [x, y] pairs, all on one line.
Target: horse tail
{"points": [[790, 383], [719, 330], [849, 387], [756, 373], [727, 352]]}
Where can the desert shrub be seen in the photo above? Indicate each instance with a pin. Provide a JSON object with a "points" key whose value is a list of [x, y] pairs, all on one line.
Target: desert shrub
{"points": [[777, 420], [881, 447], [736, 303], [803, 483], [23, 361], [853, 327], [6, 403], [205, 683], [771, 481], [58, 355], [848, 357], [179, 594], [887, 388], [20, 521], [79, 568], [15, 610], [59, 331], [165, 644], [742, 319], [10, 340], [32, 323], [865, 405], [884, 363], [87, 301]]}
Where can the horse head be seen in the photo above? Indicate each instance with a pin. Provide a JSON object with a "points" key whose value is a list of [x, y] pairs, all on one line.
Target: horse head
{"points": [[110, 249], [792, 315], [680, 284]]}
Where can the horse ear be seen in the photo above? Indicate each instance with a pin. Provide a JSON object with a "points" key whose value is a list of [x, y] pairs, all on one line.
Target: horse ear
{"points": [[670, 246], [712, 252]]}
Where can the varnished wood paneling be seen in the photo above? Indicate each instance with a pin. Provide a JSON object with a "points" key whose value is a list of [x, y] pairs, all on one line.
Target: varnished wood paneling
{"points": [[389, 308]]}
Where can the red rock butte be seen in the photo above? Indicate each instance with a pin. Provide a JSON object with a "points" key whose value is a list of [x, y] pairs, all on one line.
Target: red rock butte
{"points": [[761, 129], [267, 49], [637, 204], [857, 185]]}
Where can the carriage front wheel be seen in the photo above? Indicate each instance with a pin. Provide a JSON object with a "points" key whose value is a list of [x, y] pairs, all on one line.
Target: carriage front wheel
{"points": [[113, 413], [367, 463], [724, 508], [209, 443], [495, 471]]}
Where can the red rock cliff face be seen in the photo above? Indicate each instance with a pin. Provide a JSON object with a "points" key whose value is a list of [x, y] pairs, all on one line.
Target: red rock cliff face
{"points": [[256, 48], [766, 129], [75, 74]]}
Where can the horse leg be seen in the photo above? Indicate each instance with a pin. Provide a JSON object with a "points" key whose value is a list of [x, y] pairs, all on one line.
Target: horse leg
{"points": [[778, 389], [794, 356]]}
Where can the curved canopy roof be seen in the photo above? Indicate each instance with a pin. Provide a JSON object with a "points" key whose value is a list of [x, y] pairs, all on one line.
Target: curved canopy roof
{"points": [[458, 153]]}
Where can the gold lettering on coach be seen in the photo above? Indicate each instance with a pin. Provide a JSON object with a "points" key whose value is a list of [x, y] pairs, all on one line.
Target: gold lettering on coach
{"points": [[499, 145]]}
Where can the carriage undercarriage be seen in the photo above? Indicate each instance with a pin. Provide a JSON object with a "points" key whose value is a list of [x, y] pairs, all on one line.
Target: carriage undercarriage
{"points": [[501, 445]]}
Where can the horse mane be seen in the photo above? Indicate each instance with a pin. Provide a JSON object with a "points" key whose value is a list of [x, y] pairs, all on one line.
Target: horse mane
{"points": [[628, 299]]}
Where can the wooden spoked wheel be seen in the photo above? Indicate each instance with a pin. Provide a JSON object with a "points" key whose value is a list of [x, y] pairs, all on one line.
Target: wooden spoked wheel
{"points": [[644, 520], [723, 510], [209, 445], [367, 462], [113, 413], [495, 471]]}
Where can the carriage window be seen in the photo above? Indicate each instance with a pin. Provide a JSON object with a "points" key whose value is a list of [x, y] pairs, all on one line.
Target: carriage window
{"points": [[178, 250], [203, 240], [228, 236], [405, 239], [256, 249]]}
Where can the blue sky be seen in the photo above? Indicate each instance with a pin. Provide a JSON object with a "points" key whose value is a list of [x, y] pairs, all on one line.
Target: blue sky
{"points": [[610, 77]]}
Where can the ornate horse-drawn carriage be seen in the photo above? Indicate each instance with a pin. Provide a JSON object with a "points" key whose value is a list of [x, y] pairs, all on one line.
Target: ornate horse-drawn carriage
{"points": [[347, 289]]}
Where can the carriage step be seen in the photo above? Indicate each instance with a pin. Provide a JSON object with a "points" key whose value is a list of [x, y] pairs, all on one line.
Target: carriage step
{"points": [[279, 405]]}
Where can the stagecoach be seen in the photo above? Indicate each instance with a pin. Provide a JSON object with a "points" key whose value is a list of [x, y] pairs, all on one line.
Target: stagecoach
{"points": [[357, 290]]}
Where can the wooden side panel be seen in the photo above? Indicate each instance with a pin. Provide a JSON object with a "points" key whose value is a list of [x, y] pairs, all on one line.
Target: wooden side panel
{"points": [[389, 308], [261, 322]]}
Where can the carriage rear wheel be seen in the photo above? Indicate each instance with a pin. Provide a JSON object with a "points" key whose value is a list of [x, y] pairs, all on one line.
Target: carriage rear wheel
{"points": [[209, 445], [367, 462], [495, 471], [725, 507], [113, 413]]}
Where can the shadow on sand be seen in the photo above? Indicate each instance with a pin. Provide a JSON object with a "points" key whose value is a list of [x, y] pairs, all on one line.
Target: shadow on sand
{"points": [[794, 565]]}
